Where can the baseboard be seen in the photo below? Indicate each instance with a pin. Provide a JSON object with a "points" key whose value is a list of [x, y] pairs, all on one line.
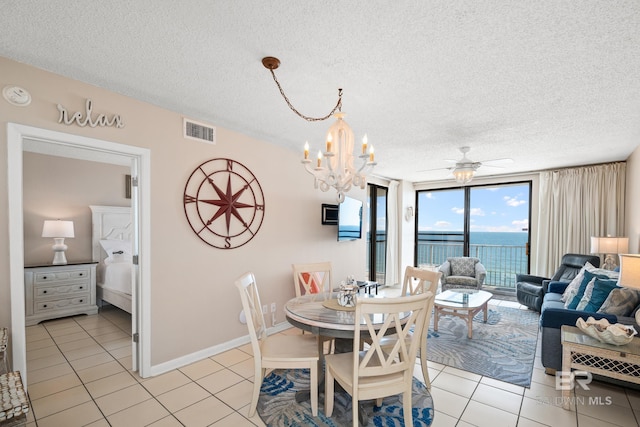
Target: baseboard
{"points": [[211, 351]]}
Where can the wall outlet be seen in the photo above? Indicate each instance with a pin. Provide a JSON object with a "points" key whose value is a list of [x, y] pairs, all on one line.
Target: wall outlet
{"points": [[273, 307], [264, 309]]}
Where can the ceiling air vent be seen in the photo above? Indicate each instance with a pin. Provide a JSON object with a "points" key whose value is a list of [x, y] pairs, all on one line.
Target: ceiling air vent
{"points": [[199, 131]]}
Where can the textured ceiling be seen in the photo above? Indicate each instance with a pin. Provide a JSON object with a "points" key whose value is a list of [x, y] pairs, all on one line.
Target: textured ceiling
{"points": [[547, 83]]}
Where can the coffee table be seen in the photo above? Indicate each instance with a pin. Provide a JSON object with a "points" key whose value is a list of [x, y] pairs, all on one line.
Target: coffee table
{"points": [[454, 303]]}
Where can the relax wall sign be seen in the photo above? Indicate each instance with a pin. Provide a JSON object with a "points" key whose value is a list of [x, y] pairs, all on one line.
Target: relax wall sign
{"points": [[86, 119]]}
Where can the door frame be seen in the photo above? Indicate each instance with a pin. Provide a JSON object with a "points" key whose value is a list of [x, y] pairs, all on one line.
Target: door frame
{"points": [[74, 146]]}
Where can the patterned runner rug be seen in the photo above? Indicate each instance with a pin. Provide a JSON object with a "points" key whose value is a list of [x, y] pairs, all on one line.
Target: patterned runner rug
{"points": [[277, 405], [503, 348]]}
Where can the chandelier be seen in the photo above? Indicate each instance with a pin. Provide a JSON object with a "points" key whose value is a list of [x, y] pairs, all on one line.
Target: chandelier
{"points": [[337, 170]]}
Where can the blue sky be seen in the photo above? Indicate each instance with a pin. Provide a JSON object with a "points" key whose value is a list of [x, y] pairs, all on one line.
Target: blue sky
{"points": [[501, 209]]}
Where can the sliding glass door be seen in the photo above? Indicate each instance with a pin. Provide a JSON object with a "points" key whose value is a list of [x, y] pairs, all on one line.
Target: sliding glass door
{"points": [[487, 222], [377, 233]]}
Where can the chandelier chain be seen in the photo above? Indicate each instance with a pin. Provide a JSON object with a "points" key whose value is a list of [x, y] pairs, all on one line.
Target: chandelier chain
{"points": [[338, 106]]}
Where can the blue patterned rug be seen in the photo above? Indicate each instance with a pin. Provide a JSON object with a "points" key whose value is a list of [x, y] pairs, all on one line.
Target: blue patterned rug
{"points": [[277, 405], [504, 348]]}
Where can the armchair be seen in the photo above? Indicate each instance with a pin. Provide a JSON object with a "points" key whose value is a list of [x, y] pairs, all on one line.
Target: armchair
{"points": [[530, 289], [462, 273]]}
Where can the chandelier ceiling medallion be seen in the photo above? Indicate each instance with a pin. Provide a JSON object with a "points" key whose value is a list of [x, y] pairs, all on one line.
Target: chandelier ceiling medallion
{"points": [[339, 172]]}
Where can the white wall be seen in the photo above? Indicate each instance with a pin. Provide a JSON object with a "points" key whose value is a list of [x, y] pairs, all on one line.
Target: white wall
{"points": [[194, 305]]}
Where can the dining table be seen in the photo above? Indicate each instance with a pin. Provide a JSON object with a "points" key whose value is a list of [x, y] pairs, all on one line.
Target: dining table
{"points": [[321, 315]]}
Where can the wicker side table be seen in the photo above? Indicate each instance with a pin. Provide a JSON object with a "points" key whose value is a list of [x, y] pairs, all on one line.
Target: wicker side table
{"points": [[13, 400], [580, 351]]}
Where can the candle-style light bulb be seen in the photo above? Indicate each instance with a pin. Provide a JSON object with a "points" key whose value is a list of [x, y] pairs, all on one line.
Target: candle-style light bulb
{"points": [[364, 144], [306, 150], [329, 141], [319, 158], [371, 154]]}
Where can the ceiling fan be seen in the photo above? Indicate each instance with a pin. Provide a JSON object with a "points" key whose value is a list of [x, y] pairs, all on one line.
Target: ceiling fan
{"points": [[464, 169]]}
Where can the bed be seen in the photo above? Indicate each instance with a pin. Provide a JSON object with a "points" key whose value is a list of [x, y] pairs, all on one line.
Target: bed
{"points": [[111, 248]]}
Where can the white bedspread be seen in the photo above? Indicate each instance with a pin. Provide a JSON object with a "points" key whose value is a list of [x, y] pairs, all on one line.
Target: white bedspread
{"points": [[115, 275]]}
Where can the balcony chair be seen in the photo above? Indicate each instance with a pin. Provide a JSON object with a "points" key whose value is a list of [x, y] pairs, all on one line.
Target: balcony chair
{"points": [[375, 373], [313, 278], [462, 273], [530, 289], [275, 351]]}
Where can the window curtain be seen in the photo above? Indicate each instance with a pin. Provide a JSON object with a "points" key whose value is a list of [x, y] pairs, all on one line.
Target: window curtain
{"points": [[391, 276], [576, 204]]}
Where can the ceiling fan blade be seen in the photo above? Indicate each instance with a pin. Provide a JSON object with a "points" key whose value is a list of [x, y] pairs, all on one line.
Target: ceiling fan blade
{"points": [[494, 162], [436, 169]]}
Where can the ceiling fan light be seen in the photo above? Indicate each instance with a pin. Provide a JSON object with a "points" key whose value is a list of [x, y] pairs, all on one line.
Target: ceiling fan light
{"points": [[463, 175]]}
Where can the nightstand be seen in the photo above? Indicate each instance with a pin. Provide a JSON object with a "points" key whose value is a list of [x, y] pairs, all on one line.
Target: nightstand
{"points": [[53, 291]]}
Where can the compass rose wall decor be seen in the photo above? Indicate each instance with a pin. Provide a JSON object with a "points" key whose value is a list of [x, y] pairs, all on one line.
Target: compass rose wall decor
{"points": [[224, 203]]}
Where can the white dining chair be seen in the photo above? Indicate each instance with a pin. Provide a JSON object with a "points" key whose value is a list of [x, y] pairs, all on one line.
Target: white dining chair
{"points": [[416, 281], [275, 351], [374, 373], [313, 278]]}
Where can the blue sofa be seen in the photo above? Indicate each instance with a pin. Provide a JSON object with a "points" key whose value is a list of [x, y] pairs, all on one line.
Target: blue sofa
{"points": [[553, 315]]}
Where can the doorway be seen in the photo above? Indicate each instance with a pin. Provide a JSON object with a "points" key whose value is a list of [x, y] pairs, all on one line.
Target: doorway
{"points": [[22, 138]]}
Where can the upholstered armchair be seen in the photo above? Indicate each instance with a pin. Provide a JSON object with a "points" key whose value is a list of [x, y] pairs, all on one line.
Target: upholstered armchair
{"points": [[462, 273], [530, 289]]}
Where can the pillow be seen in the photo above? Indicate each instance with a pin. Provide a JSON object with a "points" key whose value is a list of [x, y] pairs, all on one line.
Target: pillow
{"points": [[588, 277], [621, 302], [573, 286], [463, 266], [599, 292], [586, 296], [115, 247], [313, 284]]}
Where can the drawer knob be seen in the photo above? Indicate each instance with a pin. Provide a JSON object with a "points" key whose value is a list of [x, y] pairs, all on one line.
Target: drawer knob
{"points": [[44, 292], [81, 300], [44, 277], [81, 274], [45, 306], [81, 287]]}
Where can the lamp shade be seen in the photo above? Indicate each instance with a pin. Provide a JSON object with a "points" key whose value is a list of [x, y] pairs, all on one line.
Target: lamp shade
{"points": [[57, 228], [609, 245], [629, 271], [463, 174]]}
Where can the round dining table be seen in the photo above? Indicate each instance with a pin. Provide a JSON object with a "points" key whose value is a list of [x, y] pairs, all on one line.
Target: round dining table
{"points": [[322, 316]]}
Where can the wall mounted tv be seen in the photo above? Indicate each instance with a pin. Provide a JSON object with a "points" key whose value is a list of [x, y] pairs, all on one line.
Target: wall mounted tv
{"points": [[349, 219]]}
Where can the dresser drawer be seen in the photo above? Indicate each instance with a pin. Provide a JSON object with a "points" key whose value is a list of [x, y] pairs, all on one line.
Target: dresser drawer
{"points": [[53, 276], [52, 305], [53, 291]]}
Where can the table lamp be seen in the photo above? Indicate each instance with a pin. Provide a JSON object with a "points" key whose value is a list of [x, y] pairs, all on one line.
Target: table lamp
{"points": [[630, 274], [58, 230], [609, 245]]}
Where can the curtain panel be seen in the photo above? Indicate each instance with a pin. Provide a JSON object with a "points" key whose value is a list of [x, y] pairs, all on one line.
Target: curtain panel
{"points": [[576, 204]]}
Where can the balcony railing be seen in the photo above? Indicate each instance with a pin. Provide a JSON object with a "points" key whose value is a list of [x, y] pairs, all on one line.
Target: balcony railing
{"points": [[502, 262]]}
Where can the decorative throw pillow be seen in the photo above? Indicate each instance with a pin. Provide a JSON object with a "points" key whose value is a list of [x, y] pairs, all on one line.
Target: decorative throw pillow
{"points": [[600, 291], [115, 247], [588, 277], [311, 280], [573, 286], [463, 266], [586, 296], [621, 302]]}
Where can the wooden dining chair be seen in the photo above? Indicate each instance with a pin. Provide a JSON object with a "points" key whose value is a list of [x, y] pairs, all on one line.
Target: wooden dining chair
{"points": [[374, 373], [313, 278], [416, 281], [275, 351]]}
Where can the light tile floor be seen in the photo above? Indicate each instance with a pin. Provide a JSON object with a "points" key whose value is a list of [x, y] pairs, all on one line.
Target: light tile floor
{"points": [[78, 373]]}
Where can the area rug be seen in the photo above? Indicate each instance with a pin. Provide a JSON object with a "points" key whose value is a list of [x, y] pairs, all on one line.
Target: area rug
{"points": [[503, 348], [277, 406]]}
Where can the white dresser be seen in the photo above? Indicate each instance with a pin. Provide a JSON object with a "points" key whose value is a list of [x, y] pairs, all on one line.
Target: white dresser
{"points": [[53, 291]]}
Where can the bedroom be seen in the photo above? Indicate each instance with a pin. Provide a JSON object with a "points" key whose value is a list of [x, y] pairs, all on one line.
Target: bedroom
{"points": [[57, 187]]}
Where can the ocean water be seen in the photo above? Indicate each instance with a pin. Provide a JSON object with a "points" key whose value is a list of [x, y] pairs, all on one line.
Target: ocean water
{"points": [[503, 254]]}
